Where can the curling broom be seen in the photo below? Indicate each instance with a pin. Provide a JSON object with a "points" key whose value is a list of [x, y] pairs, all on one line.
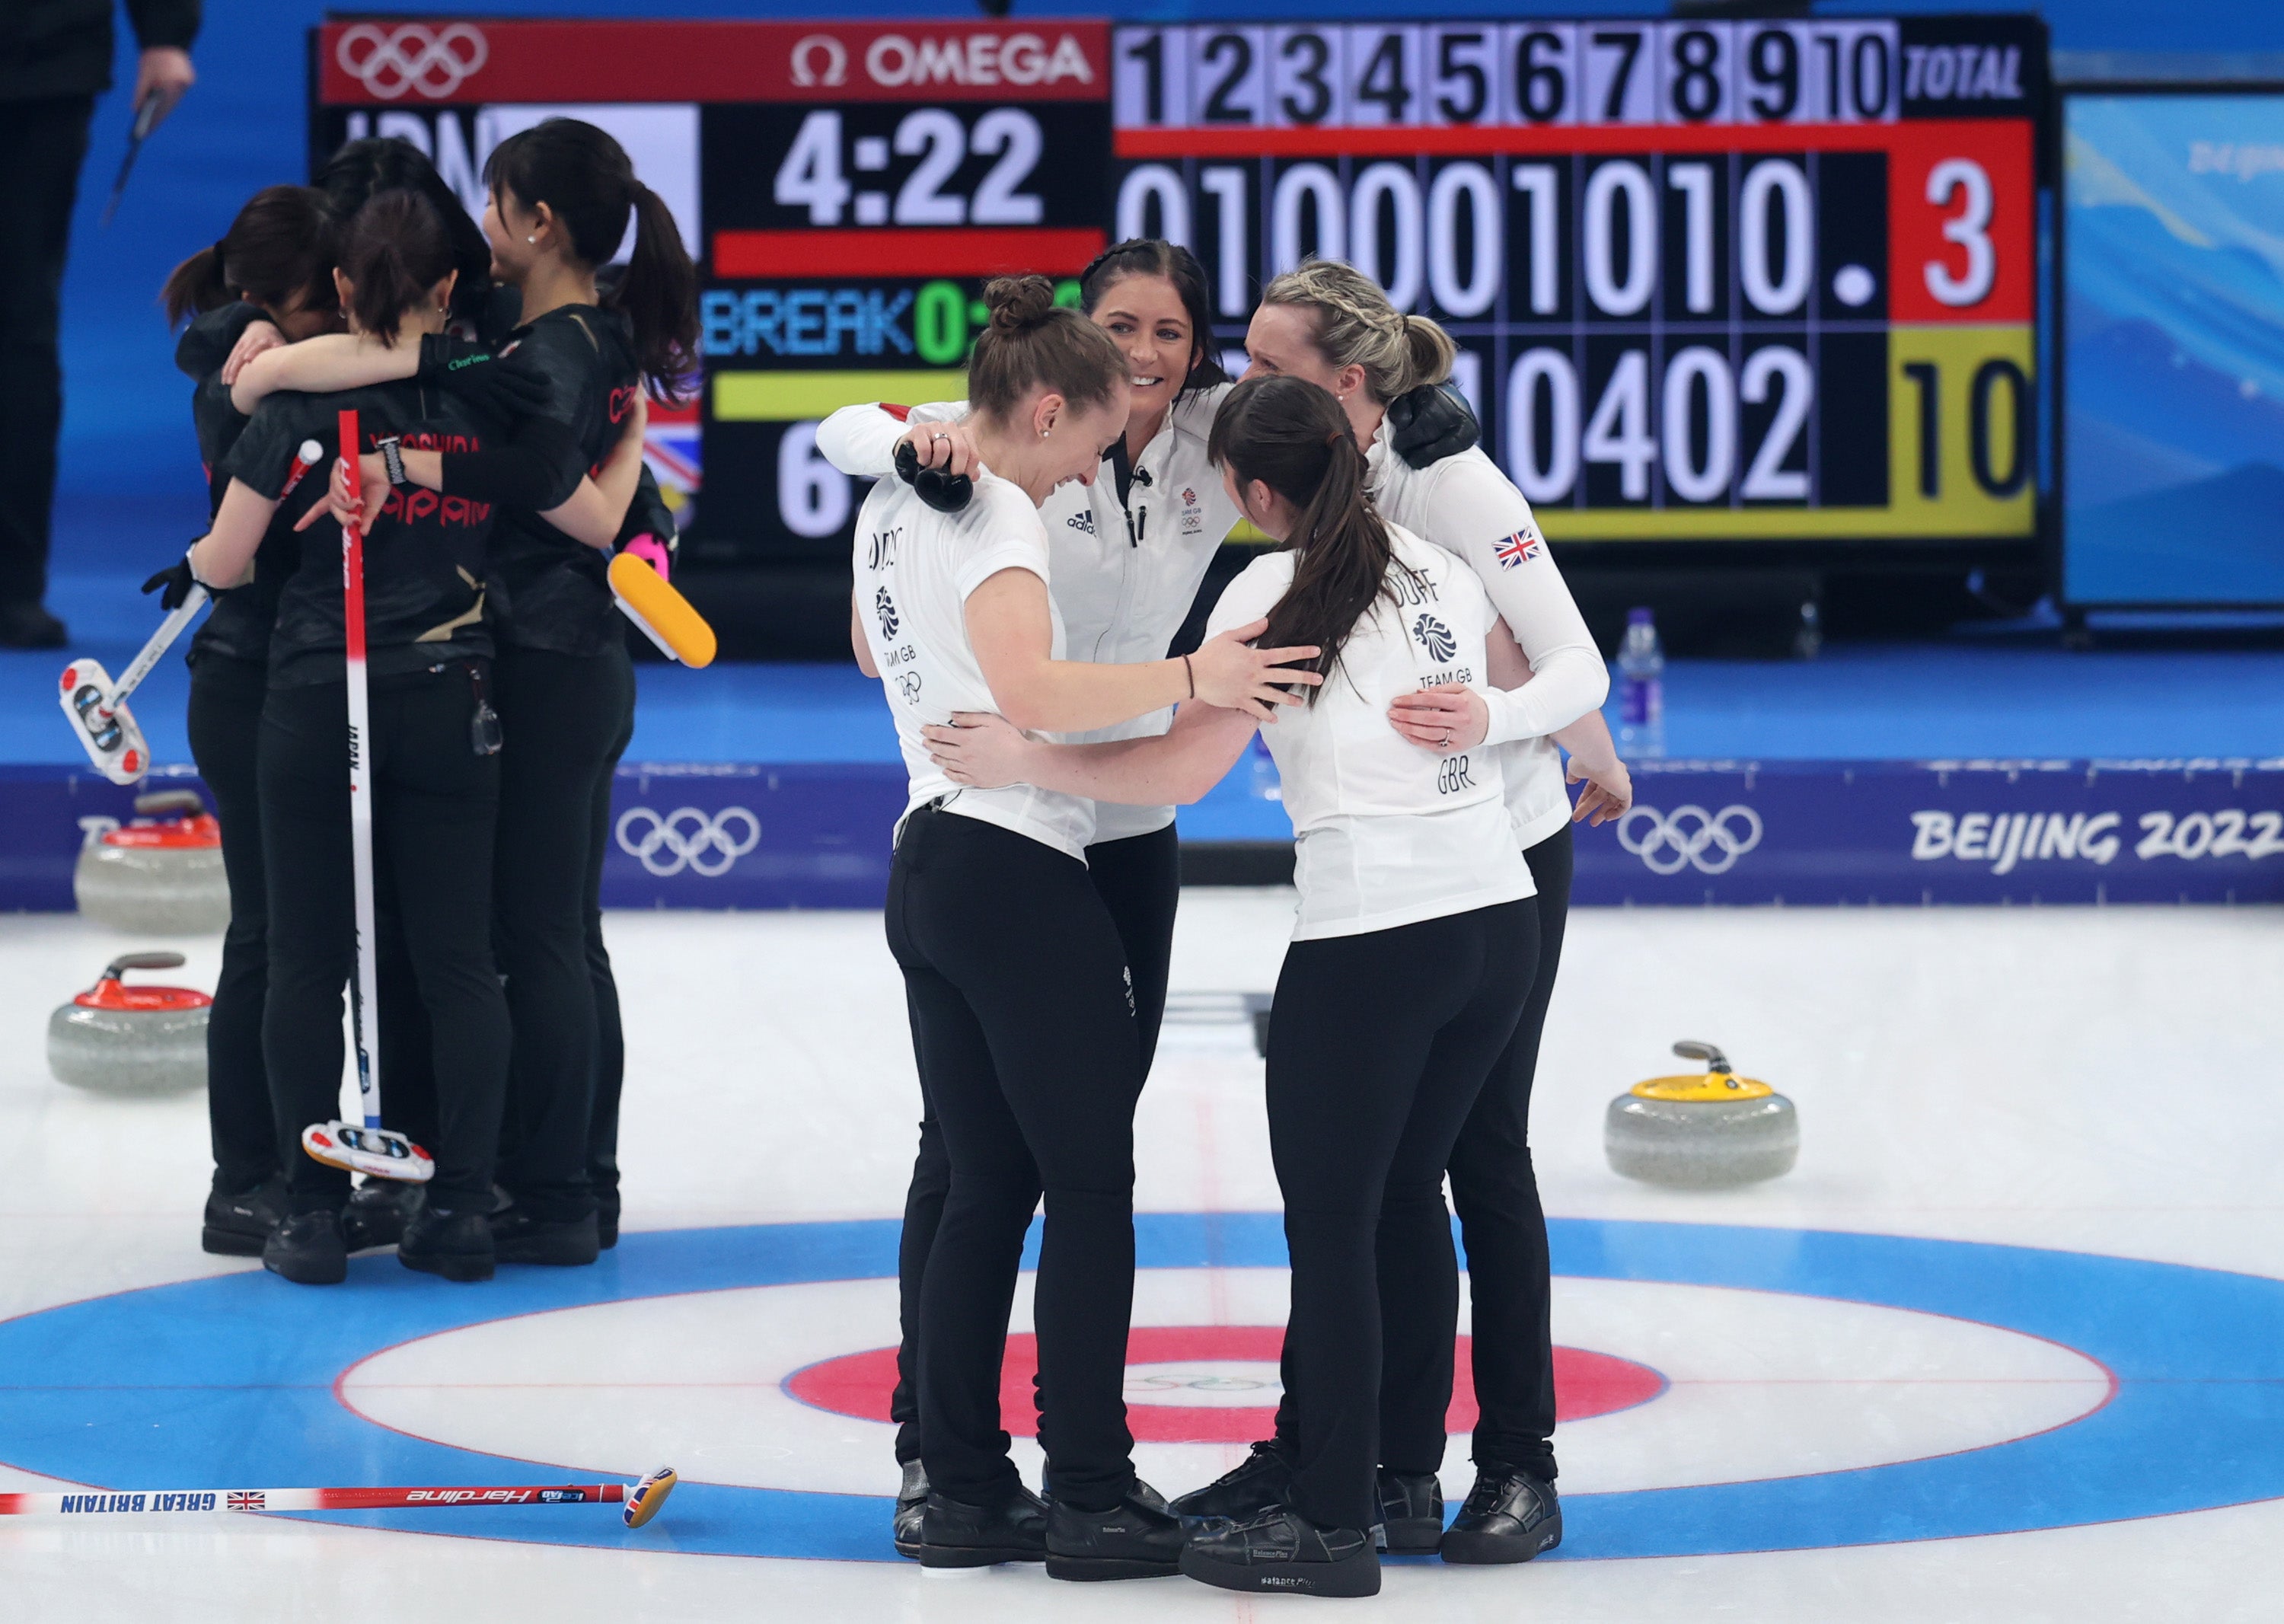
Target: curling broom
{"points": [[370, 1149], [642, 1500]]}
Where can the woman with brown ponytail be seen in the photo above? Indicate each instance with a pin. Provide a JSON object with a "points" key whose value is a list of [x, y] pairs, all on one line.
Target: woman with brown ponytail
{"points": [[1014, 972], [1409, 878]]}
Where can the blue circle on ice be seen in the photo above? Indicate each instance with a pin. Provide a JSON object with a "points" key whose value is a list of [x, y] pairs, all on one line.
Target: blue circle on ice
{"points": [[230, 1382]]}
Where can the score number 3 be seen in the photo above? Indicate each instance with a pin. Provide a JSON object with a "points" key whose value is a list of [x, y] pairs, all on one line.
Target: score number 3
{"points": [[1970, 228]]}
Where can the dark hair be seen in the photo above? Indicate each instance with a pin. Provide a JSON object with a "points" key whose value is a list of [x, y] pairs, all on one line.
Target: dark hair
{"points": [[280, 244], [1035, 343], [393, 252], [360, 169], [1154, 256], [585, 177], [1293, 437]]}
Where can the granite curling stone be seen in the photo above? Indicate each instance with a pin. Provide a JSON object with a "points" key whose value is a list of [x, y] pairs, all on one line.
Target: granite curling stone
{"points": [[118, 1039], [1702, 1132], [160, 875]]}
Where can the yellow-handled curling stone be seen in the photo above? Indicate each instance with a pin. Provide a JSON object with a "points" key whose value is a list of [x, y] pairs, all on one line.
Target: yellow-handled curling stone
{"points": [[1701, 1131]]}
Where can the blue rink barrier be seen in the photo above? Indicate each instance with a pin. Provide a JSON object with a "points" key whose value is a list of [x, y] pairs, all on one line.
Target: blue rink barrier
{"points": [[1734, 833]]}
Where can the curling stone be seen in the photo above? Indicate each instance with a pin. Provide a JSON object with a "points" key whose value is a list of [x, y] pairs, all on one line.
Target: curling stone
{"points": [[131, 1040], [1701, 1132], [160, 875]]}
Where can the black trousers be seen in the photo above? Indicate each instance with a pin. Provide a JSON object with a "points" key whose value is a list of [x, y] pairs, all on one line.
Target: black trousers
{"points": [[560, 717], [435, 803], [1378, 1047], [1504, 1229], [1140, 880], [42, 143], [610, 1035], [1015, 977], [225, 725]]}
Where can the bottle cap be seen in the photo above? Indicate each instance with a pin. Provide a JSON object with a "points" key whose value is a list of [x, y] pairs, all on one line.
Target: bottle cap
{"points": [[1638, 617]]}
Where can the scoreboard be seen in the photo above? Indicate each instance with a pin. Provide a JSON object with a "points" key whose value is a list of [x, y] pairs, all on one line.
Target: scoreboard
{"points": [[1747, 280], [1711, 281]]}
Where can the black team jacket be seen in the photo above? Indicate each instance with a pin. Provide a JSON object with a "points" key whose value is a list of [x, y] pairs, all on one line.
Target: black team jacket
{"points": [[64, 47]]}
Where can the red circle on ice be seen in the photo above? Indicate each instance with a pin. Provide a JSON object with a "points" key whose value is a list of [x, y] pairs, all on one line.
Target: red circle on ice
{"points": [[1164, 1362]]}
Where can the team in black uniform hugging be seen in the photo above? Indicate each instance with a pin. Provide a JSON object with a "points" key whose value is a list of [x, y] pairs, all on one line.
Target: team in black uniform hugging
{"points": [[498, 375]]}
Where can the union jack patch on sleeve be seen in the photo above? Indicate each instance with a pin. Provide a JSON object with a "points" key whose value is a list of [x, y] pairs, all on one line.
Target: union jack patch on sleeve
{"points": [[1517, 550]]}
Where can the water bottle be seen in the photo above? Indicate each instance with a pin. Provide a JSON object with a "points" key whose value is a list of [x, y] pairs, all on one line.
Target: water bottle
{"points": [[1641, 688]]}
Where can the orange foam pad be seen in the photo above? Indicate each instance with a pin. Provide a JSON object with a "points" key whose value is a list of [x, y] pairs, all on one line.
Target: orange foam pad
{"points": [[661, 610]]}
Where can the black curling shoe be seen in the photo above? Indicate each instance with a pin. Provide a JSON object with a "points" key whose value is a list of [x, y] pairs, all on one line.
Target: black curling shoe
{"points": [[376, 1213], [1256, 1484], [1282, 1550], [1410, 1512], [912, 1505], [1509, 1517], [1012, 1529], [519, 1237], [1139, 1538], [237, 1226], [307, 1249], [439, 1241]]}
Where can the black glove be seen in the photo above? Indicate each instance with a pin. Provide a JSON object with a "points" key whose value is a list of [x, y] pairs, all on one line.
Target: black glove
{"points": [[946, 493], [1431, 423], [503, 386], [177, 581]]}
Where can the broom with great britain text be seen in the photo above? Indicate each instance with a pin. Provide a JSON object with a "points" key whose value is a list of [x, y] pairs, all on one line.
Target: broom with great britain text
{"points": [[642, 1499]]}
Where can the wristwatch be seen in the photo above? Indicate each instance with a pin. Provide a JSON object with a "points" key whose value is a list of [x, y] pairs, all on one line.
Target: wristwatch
{"points": [[392, 457]]}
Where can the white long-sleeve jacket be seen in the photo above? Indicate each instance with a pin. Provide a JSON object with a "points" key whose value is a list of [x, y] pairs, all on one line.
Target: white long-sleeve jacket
{"points": [[1123, 578], [1465, 505]]}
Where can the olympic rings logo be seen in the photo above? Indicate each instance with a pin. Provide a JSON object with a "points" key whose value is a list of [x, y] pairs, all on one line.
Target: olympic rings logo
{"points": [[411, 57], [1690, 837], [688, 838]]}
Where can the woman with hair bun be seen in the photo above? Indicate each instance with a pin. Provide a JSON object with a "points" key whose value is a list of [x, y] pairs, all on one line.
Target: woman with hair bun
{"points": [[1015, 975], [1329, 324], [434, 752], [1409, 884]]}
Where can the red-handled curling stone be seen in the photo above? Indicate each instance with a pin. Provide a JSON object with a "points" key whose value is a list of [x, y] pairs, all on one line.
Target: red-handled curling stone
{"points": [[131, 1040], [160, 875]]}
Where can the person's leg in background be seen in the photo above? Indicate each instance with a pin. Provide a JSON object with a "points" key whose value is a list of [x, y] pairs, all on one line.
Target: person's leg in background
{"points": [[1140, 880], [43, 142], [610, 1033], [559, 716], [436, 806], [303, 765], [1502, 1225], [249, 1194], [1513, 1512]]}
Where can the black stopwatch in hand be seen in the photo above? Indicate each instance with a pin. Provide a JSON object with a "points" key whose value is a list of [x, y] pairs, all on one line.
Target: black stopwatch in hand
{"points": [[1429, 424], [946, 493]]}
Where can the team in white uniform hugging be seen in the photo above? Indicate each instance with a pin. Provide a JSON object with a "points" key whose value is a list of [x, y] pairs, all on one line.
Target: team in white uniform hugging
{"points": [[1417, 671]]}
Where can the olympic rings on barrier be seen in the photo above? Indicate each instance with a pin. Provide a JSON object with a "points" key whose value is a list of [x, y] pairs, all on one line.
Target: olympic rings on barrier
{"points": [[1682, 839], [688, 838], [411, 57]]}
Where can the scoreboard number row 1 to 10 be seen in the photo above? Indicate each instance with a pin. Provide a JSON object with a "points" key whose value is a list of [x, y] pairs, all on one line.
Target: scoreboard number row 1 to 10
{"points": [[1739, 280]]}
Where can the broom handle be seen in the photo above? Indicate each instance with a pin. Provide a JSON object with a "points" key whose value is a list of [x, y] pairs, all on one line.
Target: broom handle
{"points": [[366, 1005]]}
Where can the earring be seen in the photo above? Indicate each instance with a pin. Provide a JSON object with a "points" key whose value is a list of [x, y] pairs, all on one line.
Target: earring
{"points": [[1045, 432], [533, 238]]}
